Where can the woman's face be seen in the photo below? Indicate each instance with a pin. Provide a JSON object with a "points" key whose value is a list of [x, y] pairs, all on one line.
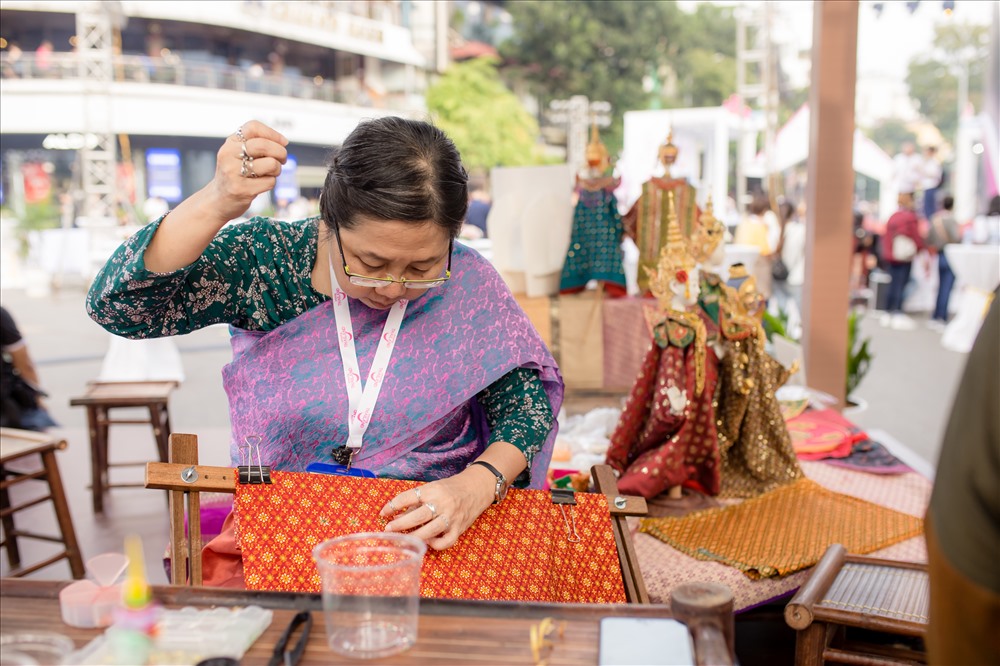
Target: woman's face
{"points": [[390, 248]]}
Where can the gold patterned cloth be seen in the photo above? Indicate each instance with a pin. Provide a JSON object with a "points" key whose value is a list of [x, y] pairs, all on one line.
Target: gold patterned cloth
{"points": [[646, 221], [757, 451], [785, 530]]}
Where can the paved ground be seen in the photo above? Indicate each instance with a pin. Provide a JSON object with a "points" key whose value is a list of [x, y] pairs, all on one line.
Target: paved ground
{"points": [[909, 392]]}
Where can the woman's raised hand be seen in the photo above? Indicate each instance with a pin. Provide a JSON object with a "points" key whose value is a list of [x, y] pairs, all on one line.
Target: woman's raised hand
{"points": [[247, 164]]}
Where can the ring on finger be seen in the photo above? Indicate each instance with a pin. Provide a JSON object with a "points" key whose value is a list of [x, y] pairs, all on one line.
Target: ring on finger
{"points": [[434, 511], [246, 169], [447, 523], [416, 491], [239, 134], [392, 505]]}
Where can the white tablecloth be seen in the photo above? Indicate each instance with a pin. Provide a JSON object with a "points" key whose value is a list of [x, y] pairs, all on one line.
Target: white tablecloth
{"points": [[977, 274]]}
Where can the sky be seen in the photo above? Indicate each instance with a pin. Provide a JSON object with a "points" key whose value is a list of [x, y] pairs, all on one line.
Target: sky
{"points": [[886, 43]]}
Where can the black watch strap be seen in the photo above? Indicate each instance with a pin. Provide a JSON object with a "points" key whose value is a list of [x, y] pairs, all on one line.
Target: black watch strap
{"points": [[501, 489]]}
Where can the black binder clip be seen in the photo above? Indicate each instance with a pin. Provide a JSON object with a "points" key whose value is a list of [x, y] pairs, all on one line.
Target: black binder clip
{"points": [[565, 497], [250, 474]]}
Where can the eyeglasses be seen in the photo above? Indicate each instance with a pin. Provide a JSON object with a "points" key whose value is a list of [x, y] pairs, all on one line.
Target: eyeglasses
{"points": [[374, 282]]}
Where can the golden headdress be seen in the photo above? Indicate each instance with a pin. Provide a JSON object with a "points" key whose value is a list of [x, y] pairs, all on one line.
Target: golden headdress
{"points": [[677, 264], [676, 261], [668, 153], [709, 234], [596, 153]]}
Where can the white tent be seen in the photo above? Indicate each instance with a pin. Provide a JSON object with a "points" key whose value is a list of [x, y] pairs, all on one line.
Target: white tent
{"points": [[702, 136], [792, 147]]}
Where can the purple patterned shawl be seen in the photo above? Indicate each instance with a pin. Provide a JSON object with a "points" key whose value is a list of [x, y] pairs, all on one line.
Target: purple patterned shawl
{"points": [[287, 385]]}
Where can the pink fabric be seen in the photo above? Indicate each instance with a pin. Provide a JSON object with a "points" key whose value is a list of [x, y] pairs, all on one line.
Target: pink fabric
{"points": [[627, 338]]}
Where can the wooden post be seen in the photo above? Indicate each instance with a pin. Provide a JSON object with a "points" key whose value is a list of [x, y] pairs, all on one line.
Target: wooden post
{"points": [[829, 237], [707, 609]]}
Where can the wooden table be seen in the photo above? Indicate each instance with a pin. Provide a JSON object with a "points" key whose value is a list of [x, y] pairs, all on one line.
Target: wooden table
{"points": [[102, 397], [450, 631]]}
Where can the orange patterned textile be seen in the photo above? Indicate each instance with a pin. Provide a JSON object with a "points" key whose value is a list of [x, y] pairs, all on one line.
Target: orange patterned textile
{"points": [[516, 551], [784, 530]]}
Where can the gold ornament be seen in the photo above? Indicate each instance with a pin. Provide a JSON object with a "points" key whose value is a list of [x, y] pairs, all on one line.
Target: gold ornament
{"points": [[668, 153], [676, 262], [708, 235], [596, 154]]}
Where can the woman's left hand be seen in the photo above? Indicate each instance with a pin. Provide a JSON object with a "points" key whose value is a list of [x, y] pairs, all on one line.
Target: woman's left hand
{"points": [[440, 511]]}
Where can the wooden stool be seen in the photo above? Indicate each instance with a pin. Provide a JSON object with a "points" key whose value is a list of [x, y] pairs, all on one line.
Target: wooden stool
{"points": [[100, 399], [854, 592], [18, 444]]}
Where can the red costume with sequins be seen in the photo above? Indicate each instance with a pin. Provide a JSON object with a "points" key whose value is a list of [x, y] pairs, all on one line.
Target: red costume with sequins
{"points": [[653, 448]]}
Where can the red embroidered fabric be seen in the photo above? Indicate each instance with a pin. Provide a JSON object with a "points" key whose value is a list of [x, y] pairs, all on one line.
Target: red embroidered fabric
{"points": [[518, 550]]}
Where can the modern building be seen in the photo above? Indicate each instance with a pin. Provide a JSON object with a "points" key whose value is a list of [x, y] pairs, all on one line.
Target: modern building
{"points": [[112, 103]]}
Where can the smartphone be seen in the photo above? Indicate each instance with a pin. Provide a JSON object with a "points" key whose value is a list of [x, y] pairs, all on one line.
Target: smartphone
{"points": [[629, 641]]}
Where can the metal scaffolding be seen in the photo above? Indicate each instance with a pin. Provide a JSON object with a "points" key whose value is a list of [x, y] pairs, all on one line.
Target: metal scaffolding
{"points": [[757, 86], [95, 26]]}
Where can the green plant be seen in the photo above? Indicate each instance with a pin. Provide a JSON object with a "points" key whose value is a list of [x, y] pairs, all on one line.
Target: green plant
{"points": [[776, 324], [859, 358], [37, 216]]}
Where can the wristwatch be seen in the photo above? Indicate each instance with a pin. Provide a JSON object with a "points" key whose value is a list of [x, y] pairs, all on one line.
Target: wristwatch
{"points": [[501, 489]]}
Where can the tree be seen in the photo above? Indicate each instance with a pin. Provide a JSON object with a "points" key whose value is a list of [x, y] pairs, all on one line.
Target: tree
{"points": [[483, 117], [890, 134], [632, 54], [934, 85]]}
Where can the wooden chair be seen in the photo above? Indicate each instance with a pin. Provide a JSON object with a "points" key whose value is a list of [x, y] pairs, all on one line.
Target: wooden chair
{"points": [[102, 397], [17, 445], [850, 602], [184, 478]]}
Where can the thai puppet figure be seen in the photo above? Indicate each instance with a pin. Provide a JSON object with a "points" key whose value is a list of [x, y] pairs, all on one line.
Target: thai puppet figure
{"points": [[594, 251], [754, 443], [666, 435], [706, 242], [646, 222]]}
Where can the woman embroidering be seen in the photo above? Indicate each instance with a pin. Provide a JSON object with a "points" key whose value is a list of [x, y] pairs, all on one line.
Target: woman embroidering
{"points": [[365, 336]]}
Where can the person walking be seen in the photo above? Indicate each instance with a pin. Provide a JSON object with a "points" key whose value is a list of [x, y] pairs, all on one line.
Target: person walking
{"points": [[930, 181], [944, 230], [900, 245]]}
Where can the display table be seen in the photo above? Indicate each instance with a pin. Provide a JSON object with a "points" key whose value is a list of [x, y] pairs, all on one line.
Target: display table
{"points": [[977, 274], [450, 632]]}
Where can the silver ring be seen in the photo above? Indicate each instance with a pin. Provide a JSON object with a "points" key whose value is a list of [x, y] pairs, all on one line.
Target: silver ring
{"points": [[392, 505], [434, 511], [447, 523], [239, 134], [416, 491], [246, 169]]}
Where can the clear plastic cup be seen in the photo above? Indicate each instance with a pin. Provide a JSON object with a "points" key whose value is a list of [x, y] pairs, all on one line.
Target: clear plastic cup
{"points": [[371, 592], [44, 648]]}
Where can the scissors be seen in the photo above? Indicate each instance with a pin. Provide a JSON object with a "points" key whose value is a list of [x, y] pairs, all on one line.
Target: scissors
{"points": [[283, 657]]}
